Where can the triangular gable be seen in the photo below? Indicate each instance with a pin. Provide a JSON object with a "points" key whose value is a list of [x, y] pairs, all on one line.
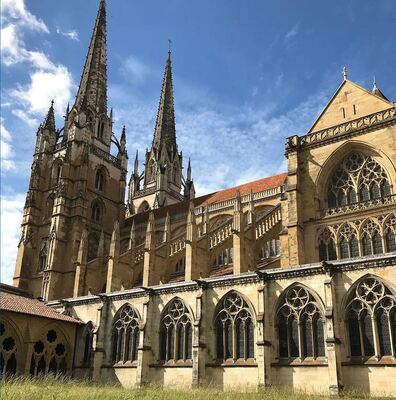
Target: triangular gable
{"points": [[349, 102]]}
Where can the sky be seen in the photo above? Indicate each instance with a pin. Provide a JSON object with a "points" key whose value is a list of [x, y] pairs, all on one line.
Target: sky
{"points": [[247, 74]]}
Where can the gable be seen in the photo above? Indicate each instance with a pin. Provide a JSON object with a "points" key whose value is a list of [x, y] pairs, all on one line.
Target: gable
{"points": [[350, 101]]}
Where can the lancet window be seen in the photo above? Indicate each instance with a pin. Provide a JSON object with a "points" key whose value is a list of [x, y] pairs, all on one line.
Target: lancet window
{"points": [[371, 238], [99, 180], [125, 335], [43, 257], [8, 351], [348, 242], [390, 233], [180, 265], [176, 332], [300, 325], [96, 212], [93, 245], [327, 247], [371, 319], [234, 329], [49, 355], [359, 178]]}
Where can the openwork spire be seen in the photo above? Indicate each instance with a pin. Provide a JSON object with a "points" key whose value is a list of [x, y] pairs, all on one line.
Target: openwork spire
{"points": [[165, 130], [92, 92], [49, 121]]}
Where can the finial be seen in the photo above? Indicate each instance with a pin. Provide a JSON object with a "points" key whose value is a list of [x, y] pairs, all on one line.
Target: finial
{"points": [[52, 103], [345, 73], [169, 46], [374, 83]]}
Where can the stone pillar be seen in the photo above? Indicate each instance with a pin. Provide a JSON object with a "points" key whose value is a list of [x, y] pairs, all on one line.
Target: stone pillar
{"points": [[81, 266], [238, 236], [113, 277], [198, 354], [99, 339], [332, 342], [144, 349], [263, 348], [191, 245]]}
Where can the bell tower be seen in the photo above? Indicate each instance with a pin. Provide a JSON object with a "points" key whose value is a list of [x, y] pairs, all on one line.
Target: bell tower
{"points": [[76, 187], [161, 182]]}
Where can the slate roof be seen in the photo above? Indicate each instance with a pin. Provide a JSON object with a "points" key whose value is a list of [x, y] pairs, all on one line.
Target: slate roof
{"points": [[16, 302]]}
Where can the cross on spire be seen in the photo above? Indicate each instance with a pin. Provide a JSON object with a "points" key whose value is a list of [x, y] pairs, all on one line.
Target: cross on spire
{"points": [[345, 73]]}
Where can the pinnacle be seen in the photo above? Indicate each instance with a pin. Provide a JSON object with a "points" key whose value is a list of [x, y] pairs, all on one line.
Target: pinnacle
{"points": [[49, 121]]}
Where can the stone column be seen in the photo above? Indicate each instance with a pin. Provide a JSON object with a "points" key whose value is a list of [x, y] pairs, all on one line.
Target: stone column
{"points": [[191, 245], [81, 266], [144, 349], [332, 342], [99, 339], [238, 236], [149, 276], [198, 355]]}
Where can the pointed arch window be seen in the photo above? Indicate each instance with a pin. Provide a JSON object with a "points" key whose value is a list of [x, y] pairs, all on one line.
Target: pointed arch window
{"points": [[300, 325], [43, 256], [125, 335], [371, 319], [96, 212], [326, 244], [390, 233], [371, 238], [99, 180], [348, 243], [8, 351], [224, 257], [176, 332], [234, 329], [359, 178]]}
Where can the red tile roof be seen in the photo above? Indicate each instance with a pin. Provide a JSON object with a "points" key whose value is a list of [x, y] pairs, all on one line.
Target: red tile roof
{"points": [[255, 186], [25, 305], [222, 195]]}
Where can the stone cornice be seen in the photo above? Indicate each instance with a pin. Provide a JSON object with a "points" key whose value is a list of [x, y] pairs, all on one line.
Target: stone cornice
{"points": [[348, 129]]}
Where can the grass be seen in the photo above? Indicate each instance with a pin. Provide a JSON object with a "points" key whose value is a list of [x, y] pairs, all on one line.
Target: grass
{"points": [[51, 388]]}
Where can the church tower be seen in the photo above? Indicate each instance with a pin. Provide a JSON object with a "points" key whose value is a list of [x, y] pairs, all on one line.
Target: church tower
{"points": [[76, 188], [161, 183]]}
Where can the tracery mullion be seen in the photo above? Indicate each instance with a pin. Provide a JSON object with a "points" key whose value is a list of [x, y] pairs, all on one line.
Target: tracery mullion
{"points": [[374, 325], [245, 335], [225, 344], [234, 340], [300, 339]]}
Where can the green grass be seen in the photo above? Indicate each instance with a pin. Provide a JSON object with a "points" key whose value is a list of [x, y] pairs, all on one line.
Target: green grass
{"points": [[51, 388]]}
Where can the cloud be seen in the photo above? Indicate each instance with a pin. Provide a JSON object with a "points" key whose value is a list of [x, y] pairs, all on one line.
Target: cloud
{"points": [[7, 152], [11, 218], [292, 32], [72, 35], [136, 71], [54, 84], [15, 10]]}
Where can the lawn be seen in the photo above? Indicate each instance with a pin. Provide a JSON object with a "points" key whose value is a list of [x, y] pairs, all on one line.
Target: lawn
{"points": [[67, 389]]}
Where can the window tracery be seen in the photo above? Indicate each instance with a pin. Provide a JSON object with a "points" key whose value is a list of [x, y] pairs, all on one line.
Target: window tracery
{"points": [[371, 319], [234, 329], [348, 242], [327, 248], [390, 233], [96, 212], [224, 257], [359, 178], [43, 256], [300, 325], [371, 238], [8, 351], [49, 355], [125, 335], [88, 343], [176, 332], [270, 248]]}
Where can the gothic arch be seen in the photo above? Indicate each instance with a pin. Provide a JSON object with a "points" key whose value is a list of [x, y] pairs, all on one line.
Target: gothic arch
{"points": [[369, 314], [97, 204], [125, 334], [299, 323], [338, 155], [176, 331], [144, 207], [281, 297], [234, 323], [11, 348]]}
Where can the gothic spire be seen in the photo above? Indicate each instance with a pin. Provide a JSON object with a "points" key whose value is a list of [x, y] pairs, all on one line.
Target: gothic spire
{"points": [[165, 130], [92, 91], [49, 121]]}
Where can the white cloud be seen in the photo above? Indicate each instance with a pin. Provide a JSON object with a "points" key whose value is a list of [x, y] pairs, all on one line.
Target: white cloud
{"points": [[72, 35], [7, 152], [16, 10], [44, 86], [292, 32], [26, 118], [135, 70], [11, 218]]}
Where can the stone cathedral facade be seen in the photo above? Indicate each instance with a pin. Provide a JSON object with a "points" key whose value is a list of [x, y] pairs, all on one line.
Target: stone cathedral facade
{"points": [[289, 280]]}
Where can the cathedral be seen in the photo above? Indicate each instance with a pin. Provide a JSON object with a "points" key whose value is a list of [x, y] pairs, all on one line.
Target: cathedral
{"points": [[289, 280]]}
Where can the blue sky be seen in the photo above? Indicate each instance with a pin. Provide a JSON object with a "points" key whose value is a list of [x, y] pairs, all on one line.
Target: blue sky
{"points": [[247, 74]]}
